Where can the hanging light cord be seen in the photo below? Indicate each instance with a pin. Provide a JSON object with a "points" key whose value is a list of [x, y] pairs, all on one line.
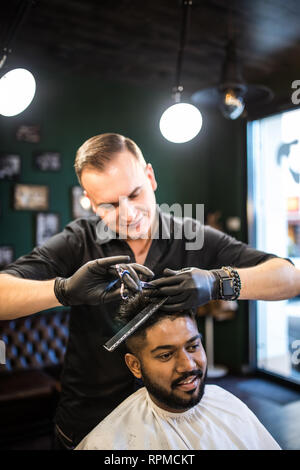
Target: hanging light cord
{"points": [[178, 88], [22, 11]]}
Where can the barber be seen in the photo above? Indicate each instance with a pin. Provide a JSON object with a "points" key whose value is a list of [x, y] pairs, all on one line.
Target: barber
{"points": [[76, 268]]}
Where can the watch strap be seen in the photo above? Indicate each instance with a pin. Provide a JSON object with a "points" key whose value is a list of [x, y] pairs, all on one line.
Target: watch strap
{"points": [[229, 283]]}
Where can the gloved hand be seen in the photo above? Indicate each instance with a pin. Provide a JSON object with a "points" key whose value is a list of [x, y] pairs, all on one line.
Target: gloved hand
{"points": [[91, 284], [186, 288]]}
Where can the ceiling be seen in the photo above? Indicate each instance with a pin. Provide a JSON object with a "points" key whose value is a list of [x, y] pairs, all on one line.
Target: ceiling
{"points": [[136, 41]]}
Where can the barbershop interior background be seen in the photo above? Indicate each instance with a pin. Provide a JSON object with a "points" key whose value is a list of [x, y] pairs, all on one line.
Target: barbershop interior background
{"points": [[110, 67]]}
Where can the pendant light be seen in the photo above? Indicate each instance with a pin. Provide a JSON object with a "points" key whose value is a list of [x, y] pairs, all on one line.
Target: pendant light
{"points": [[181, 122], [233, 96], [17, 86]]}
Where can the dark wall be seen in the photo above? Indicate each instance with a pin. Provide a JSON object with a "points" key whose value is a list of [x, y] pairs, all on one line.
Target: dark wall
{"points": [[210, 169]]}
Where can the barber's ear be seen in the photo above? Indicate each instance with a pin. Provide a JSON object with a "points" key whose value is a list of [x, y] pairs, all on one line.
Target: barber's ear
{"points": [[151, 176], [92, 205], [133, 365]]}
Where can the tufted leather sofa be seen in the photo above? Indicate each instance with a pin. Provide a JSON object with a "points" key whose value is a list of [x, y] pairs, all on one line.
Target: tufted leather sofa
{"points": [[29, 378]]}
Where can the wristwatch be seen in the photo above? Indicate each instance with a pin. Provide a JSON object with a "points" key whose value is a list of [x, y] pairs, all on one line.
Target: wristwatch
{"points": [[229, 283]]}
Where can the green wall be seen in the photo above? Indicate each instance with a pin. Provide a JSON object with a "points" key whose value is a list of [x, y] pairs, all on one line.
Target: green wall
{"points": [[210, 169]]}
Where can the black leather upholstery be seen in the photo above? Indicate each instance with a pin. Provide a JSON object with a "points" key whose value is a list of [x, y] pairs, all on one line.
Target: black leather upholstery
{"points": [[29, 380], [35, 342]]}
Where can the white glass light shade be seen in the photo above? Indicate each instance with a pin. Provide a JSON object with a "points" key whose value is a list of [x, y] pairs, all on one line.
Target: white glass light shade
{"points": [[180, 123], [17, 89]]}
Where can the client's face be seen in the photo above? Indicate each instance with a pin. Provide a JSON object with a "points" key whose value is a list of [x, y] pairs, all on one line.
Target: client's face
{"points": [[173, 364]]}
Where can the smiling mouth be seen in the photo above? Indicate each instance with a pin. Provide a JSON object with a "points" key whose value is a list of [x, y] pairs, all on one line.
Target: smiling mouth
{"points": [[133, 224], [188, 384]]}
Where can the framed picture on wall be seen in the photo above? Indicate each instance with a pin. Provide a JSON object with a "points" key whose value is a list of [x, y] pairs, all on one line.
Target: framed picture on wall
{"points": [[47, 225], [7, 255], [10, 167], [31, 197], [28, 133], [81, 206], [47, 161]]}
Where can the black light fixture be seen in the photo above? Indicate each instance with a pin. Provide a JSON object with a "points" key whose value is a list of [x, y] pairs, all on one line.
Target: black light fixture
{"points": [[233, 94], [17, 86], [233, 87], [181, 122]]}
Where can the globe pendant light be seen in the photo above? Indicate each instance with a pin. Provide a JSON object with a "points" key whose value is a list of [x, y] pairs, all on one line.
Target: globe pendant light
{"points": [[181, 122], [17, 86], [17, 89]]}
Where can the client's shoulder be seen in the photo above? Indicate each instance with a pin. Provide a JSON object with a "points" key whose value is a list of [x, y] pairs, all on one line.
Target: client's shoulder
{"points": [[112, 430], [218, 397]]}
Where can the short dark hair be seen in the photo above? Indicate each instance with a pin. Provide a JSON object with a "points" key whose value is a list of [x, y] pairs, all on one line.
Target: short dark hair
{"points": [[134, 305]]}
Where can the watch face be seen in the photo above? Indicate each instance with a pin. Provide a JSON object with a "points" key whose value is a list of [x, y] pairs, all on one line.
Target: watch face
{"points": [[228, 287]]}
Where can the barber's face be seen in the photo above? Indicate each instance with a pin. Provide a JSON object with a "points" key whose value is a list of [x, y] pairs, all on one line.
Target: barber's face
{"points": [[172, 364], [123, 195]]}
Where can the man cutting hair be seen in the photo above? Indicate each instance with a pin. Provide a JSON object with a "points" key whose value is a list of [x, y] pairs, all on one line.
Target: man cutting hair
{"points": [[76, 268], [174, 409]]}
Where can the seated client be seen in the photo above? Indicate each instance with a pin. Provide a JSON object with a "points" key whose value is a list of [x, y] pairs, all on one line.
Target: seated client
{"points": [[174, 409]]}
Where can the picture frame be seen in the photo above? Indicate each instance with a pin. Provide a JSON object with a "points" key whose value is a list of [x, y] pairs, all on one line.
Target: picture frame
{"points": [[28, 133], [31, 197], [77, 196], [47, 161], [10, 166], [47, 224], [7, 255]]}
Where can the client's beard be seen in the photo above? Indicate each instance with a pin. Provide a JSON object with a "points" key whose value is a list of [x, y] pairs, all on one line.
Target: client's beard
{"points": [[171, 400]]}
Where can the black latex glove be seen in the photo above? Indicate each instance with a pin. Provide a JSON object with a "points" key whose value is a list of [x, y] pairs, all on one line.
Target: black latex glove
{"points": [[89, 285], [187, 288]]}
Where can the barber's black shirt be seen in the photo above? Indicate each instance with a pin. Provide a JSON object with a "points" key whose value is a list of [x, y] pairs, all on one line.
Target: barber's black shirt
{"points": [[95, 381]]}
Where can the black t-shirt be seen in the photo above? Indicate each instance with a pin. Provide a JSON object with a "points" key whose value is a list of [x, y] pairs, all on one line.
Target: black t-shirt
{"points": [[95, 381]]}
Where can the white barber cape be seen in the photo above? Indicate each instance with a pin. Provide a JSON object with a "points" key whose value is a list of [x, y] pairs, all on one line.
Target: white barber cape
{"points": [[220, 421]]}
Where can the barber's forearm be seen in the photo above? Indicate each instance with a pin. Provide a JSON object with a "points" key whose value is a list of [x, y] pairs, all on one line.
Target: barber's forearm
{"points": [[22, 297], [276, 279]]}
